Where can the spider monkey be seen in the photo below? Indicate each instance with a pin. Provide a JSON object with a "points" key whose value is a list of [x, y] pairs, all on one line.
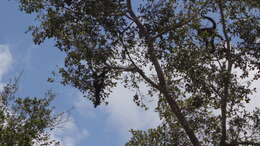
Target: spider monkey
{"points": [[99, 84], [209, 34]]}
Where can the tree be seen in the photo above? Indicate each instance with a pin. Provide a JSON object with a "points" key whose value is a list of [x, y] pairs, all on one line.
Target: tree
{"points": [[26, 121], [156, 42]]}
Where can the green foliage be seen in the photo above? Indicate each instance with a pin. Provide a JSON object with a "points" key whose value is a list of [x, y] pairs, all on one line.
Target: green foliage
{"points": [[201, 93], [163, 135], [25, 121]]}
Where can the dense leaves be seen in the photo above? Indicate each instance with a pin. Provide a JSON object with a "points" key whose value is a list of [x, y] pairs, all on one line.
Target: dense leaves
{"points": [[201, 93], [25, 121]]}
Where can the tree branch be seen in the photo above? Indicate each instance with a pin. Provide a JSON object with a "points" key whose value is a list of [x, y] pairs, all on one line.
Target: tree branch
{"points": [[163, 88], [171, 98], [249, 143], [227, 78], [137, 69], [135, 19], [172, 28]]}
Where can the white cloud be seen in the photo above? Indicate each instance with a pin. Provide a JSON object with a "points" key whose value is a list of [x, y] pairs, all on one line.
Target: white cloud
{"points": [[125, 115], [255, 98], [5, 63], [122, 113], [5, 60], [257, 40], [70, 134], [84, 107]]}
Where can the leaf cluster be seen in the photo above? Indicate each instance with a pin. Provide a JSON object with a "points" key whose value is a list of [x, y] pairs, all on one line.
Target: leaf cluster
{"points": [[25, 121]]}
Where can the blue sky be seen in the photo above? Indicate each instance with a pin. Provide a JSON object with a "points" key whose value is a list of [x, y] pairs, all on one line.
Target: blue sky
{"points": [[87, 126]]}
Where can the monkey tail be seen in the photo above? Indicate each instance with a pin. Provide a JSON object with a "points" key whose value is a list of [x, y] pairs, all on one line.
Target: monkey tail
{"points": [[214, 25]]}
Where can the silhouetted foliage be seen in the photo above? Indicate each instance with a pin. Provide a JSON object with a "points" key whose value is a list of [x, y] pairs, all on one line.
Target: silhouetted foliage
{"points": [[202, 94], [26, 121]]}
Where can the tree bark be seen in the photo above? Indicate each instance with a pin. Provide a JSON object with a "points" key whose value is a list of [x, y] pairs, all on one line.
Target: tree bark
{"points": [[163, 88], [226, 78]]}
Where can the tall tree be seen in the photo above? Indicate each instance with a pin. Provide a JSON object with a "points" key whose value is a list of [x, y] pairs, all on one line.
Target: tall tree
{"points": [[26, 121], [197, 75]]}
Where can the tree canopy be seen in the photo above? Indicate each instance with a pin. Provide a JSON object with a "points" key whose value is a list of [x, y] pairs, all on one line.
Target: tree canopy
{"points": [[26, 121], [202, 92]]}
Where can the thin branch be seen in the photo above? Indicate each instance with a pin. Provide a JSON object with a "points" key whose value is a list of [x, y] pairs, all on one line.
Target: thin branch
{"points": [[170, 98], [121, 34], [142, 73], [248, 143], [137, 69], [173, 27], [163, 88], [121, 68], [214, 89], [135, 19], [227, 80]]}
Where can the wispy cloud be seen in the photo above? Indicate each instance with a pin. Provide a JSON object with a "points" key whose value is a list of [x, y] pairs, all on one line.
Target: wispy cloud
{"points": [[70, 134], [255, 98], [122, 114], [125, 115], [5, 60], [84, 107]]}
